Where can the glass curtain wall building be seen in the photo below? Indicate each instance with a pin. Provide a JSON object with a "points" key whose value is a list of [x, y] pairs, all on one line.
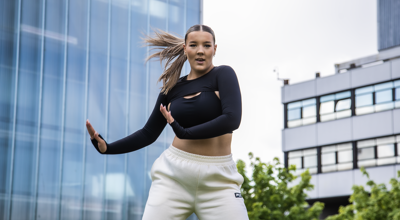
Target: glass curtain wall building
{"points": [[62, 62]]}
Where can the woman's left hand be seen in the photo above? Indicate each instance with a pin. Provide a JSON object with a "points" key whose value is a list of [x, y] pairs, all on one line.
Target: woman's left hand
{"points": [[167, 114]]}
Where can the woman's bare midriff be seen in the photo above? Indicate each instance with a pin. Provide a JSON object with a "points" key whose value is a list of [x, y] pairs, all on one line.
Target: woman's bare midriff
{"points": [[217, 146]]}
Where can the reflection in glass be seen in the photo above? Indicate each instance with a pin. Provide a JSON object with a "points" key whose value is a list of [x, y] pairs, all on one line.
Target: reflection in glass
{"points": [[329, 168], [342, 95], [294, 114], [308, 102], [383, 86], [328, 158], [326, 107], [309, 111], [383, 161], [366, 153], [328, 117], [345, 156], [368, 89], [295, 123], [345, 166], [310, 161], [343, 104], [311, 120], [364, 100], [383, 96], [386, 150], [294, 105], [366, 163], [364, 110], [384, 106], [343, 114]]}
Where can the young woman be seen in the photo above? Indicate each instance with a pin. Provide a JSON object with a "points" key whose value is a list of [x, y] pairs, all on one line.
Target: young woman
{"points": [[196, 173]]}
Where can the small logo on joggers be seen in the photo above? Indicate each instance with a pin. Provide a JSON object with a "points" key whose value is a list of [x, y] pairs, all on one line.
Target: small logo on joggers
{"points": [[238, 195]]}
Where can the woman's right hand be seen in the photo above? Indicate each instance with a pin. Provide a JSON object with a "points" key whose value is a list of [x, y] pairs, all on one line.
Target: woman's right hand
{"points": [[93, 134]]}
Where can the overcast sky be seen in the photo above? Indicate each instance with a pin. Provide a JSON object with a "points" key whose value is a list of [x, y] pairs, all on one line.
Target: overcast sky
{"points": [[300, 37]]}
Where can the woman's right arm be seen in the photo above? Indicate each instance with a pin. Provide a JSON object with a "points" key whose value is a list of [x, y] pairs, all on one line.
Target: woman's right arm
{"points": [[141, 138]]}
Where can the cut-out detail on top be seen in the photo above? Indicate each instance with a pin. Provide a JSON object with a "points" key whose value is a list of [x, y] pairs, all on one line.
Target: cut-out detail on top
{"points": [[192, 95], [217, 94]]}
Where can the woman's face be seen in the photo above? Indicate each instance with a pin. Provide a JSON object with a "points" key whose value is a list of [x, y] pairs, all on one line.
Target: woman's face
{"points": [[200, 49]]}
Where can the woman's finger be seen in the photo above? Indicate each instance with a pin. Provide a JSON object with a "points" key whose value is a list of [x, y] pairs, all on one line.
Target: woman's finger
{"points": [[90, 129]]}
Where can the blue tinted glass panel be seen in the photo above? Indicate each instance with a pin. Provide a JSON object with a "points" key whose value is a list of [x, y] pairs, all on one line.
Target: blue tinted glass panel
{"points": [[342, 95], [51, 120], [8, 43], [294, 105], [364, 100], [327, 98], [308, 102], [343, 104], [382, 86], [294, 114], [397, 83], [397, 94], [365, 90], [25, 153], [97, 105], [383, 96]]}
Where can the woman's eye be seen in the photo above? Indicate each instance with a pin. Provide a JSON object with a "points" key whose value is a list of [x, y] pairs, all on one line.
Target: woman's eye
{"points": [[192, 45], [207, 45]]}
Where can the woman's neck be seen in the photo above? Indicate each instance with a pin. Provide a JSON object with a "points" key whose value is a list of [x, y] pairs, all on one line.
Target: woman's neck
{"points": [[196, 74]]}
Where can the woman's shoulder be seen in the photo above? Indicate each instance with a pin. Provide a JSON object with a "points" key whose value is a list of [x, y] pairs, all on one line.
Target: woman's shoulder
{"points": [[224, 71]]}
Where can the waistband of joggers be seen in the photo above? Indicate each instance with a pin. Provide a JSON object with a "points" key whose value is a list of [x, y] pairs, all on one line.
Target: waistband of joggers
{"points": [[221, 160]]}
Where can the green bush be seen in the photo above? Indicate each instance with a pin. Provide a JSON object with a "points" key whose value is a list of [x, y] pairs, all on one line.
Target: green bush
{"points": [[377, 204], [267, 195]]}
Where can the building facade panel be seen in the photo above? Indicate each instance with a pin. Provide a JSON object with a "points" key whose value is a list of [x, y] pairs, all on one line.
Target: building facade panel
{"points": [[396, 122], [334, 131], [298, 91], [301, 137], [377, 174], [372, 125], [370, 75], [334, 83], [395, 69], [335, 184]]}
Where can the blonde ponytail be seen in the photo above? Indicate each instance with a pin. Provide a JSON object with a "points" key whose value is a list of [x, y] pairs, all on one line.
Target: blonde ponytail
{"points": [[171, 52]]}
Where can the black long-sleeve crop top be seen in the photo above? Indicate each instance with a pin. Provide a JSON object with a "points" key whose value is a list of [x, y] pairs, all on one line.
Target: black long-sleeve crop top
{"points": [[200, 117]]}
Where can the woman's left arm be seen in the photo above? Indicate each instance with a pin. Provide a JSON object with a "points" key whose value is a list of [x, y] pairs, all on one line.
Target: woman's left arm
{"points": [[231, 103]]}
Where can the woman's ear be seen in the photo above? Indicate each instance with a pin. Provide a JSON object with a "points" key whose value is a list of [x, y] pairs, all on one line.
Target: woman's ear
{"points": [[184, 49], [215, 49]]}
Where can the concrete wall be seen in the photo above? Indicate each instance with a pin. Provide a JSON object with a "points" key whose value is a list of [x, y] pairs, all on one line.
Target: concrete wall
{"points": [[340, 183], [343, 81], [342, 130]]}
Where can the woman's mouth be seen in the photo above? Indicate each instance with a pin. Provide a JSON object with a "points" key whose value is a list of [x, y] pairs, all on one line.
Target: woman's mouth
{"points": [[199, 60]]}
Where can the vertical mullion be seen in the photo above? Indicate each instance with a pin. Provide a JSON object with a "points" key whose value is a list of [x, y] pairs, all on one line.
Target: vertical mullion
{"points": [[86, 111], [353, 103], [107, 107], [147, 96], [318, 106], [319, 160], [286, 159], [396, 153], [355, 156], [394, 94], [39, 112], [8, 210], [63, 108], [128, 70]]}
